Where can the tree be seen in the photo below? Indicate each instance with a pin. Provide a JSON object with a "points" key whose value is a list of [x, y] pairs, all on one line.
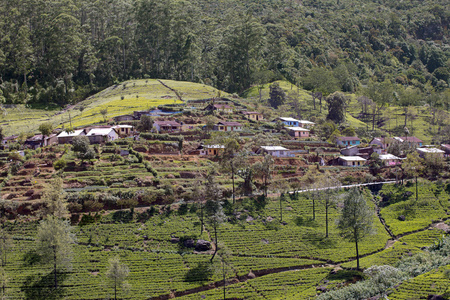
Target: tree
{"points": [[320, 80], [145, 123], [45, 129], [375, 163], [54, 244], [263, 170], [330, 189], [54, 198], [276, 95], [6, 244], [336, 107], [81, 145], [213, 206], [413, 166], [356, 219], [231, 160], [3, 281], [104, 113], [116, 274]]}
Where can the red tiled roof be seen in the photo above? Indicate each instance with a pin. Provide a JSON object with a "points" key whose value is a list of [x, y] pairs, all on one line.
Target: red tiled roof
{"points": [[167, 123]]}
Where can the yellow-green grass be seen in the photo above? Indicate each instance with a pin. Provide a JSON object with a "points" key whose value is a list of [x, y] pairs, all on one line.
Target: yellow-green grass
{"points": [[434, 282], [407, 245], [137, 95], [418, 214]]}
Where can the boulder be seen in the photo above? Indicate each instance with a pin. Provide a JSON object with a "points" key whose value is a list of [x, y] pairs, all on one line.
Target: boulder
{"points": [[251, 275], [322, 289], [401, 218], [174, 240], [202, 245], [189, 243]]}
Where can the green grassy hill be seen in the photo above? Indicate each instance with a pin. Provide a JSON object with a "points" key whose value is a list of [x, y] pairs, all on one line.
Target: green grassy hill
{"points": [[119, 99]]}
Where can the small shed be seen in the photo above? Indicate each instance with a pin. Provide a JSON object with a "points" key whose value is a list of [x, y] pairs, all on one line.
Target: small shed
{"points": [[101, 135], [253, 115], [410, 140], [351, 161], [211, 149], [34, 142], [220, 108], [431, 151], [66, 137], [276, 151], [228, 126], [124, 130], [167, 126], [390, 160], [288, 121], [298, 132], [306, 124], [345, 141]]}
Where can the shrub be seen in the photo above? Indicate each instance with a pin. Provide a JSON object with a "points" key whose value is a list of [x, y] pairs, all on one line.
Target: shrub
{"points": [[60, 164]]}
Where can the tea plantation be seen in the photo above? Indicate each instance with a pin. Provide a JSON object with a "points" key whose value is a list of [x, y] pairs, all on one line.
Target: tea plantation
{"points": [[264, 258]]}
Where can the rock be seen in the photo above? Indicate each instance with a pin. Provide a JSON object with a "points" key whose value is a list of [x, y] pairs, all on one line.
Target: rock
{"points": [[174, 240], [265, 241], [269, 219], [335, 270], [249, 219], [404, 244], [322, 289], [29, 193], [401, 218], [189, 243], [251, 275], [202, 245]]}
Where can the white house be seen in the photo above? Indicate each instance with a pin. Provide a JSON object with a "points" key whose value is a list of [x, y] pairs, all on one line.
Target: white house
{"points": [[390, 160], [352, 161], [306, 124], [276, 151], [65, 137], [298, 132], [100, 135], [211, 149], [123, 130], [434, 151]]}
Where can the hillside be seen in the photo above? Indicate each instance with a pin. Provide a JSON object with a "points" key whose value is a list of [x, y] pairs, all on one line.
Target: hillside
{"points": [[118, 99]]}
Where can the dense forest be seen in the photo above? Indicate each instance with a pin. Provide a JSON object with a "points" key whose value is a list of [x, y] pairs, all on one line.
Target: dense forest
{"points": [[60, 51]]}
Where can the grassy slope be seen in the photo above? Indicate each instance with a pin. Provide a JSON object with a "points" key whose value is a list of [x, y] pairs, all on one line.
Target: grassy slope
{"points": [[137, 95]]}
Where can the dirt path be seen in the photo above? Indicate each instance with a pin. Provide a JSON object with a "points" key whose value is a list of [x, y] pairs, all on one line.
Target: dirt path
{"points": [[173, 90]]}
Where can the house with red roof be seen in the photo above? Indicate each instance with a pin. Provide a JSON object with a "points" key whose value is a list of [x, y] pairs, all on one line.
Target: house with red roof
{"points": [[167, 126]]}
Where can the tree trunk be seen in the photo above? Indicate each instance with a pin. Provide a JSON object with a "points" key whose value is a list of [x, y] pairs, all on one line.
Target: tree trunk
{"points": [[357, 252], [417, 191], [326, 217], [314, 208], [232, 179], [215, 241], [281, 208], [201, 218], [223, 270], [54, 267]]}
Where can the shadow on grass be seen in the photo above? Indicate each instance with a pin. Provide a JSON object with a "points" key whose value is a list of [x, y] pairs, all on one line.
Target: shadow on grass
{"points": [[42, 288], [306, 222], [31, 258], [319, 240], [202, 272], [346, 276], [123, 216]]}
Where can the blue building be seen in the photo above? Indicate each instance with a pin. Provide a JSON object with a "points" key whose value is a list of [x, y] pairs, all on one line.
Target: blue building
{"points": [[345, 141]]}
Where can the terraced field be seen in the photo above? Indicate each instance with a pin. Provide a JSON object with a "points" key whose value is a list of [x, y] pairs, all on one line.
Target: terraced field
{"points": [[266, 259]]}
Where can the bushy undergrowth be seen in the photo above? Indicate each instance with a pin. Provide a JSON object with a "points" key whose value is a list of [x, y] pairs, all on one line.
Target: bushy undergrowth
{"points": [[383, 278]]}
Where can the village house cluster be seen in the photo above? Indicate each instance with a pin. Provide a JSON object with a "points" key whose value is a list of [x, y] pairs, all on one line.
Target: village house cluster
{"points": [[352, 151]]}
